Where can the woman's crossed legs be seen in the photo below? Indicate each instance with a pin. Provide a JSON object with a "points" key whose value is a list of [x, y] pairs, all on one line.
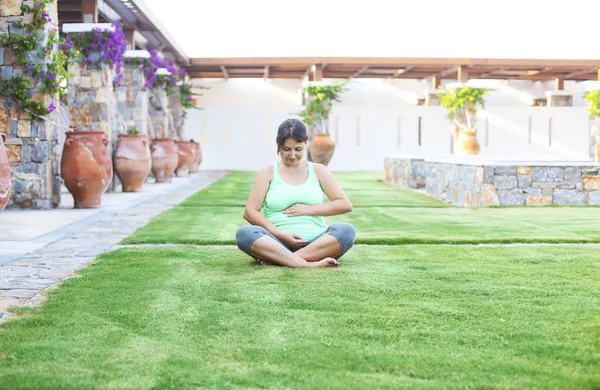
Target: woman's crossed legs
{"points": [[323, 251]]}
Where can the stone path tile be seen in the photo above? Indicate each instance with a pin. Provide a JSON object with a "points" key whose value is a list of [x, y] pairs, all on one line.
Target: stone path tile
{"points": [[59, 254]]}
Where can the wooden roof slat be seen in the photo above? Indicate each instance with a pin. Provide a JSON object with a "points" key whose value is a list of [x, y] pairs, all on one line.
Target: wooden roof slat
{"points": [[347, 67]]}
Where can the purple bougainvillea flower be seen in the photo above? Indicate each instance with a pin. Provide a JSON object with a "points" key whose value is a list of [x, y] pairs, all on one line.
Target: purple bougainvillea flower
{"points": [[51, 107]]}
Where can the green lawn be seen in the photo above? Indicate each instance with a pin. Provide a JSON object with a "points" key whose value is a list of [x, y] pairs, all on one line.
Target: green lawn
{"points": [[393, 225], [390, 317], [399, 315]]}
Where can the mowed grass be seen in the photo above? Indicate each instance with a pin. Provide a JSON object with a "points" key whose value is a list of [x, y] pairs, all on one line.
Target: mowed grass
{"points": [[391, 317], [364, 189], [383, 214]]}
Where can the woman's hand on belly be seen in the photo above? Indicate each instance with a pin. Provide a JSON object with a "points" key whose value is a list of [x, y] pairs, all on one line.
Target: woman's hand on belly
{"points": [[297, 210], [293, 240]]}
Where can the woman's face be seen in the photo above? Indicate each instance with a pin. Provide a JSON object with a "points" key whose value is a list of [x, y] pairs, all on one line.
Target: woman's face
{"points": [[292, 152]]}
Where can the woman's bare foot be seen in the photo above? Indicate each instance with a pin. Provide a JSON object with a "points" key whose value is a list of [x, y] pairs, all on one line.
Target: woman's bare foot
{"points": [[265, 262], [326, 262]]}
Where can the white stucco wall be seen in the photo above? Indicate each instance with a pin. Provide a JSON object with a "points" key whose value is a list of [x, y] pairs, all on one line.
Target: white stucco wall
{"points": [[239, 120]]}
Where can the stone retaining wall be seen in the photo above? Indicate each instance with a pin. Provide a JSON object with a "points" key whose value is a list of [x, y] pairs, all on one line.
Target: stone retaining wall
{"points": [[31, 143], [500, 184], [409, 172]]}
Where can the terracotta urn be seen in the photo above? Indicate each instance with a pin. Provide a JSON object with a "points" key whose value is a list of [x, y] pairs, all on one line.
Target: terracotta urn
{"points": [[132, 161], [185, 158], [197, 157], [5, 180], [321, 148], [164, 159], [86, 167], [466, 143]]}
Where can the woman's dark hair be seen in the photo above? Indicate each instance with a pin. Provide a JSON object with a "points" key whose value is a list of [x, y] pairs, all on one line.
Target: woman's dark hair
{"points": [[291, 128]]}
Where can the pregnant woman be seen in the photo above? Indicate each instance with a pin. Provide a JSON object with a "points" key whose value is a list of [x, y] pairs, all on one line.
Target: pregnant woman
{"points": [[285, 209]]}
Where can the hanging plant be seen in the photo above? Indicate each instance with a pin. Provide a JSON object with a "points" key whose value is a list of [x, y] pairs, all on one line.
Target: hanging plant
{"points": [[153, 79], [186, 94], [45, 67], [99, 47], [319, 104], [593, 98]]}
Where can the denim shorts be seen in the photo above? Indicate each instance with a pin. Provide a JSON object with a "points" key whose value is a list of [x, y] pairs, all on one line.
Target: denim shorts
{"points": [[343, 232]]}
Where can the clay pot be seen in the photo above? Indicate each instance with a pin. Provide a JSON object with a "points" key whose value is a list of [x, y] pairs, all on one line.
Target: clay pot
{"points": [[86, 167], [185, 158], [321, 148], [466, 143], [197, 157], [132, 161], [164, 159], [5, 180]]}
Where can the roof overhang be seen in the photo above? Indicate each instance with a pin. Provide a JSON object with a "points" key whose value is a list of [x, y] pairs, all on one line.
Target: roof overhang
{"points": [[390, 67], [135, 16]]}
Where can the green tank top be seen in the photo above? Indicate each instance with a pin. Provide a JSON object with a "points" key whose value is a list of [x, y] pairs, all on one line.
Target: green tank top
{"points": [[282, 195]]}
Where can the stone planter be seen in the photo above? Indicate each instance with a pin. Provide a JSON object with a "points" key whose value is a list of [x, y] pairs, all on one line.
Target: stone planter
{"points": [[5, 180], [132, 161], [186, 158], [466, 143], [321, 148], [197, 157], [164, 159], [86, 167]]}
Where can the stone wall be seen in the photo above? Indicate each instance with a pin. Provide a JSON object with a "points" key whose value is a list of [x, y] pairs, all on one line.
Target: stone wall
{"points": [[132, 100], [499, 184], [407, 172], [157, 106], [176, 110], [31, 143], [91, 99]]}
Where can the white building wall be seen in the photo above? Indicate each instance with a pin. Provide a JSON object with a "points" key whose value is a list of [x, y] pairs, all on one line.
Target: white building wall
{"points": [[238, 123]]}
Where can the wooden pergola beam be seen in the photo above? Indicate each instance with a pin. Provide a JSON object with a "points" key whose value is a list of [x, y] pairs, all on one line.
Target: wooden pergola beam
{"points": [[266, 74], [359, 72], [130, 38], [400, 72], [559, 84], [463, 74], [399, 61], [581, 72], [224, 71], [318, 74], [306, 72], [89, 10], [420, 68]]}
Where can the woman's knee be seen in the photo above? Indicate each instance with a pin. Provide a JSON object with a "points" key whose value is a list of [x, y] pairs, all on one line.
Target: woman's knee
{"points": [[246, 235], [345, 233]]}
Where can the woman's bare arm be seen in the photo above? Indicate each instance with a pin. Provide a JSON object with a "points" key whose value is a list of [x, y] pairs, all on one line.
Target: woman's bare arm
{"points": [[256, 199]]}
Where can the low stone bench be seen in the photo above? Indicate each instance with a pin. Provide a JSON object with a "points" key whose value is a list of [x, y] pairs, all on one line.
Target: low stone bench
{"points": [[473, 183]]}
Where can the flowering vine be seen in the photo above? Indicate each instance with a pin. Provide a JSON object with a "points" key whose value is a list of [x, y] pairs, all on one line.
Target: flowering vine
{"points": [[45, 67], [103, 47]]}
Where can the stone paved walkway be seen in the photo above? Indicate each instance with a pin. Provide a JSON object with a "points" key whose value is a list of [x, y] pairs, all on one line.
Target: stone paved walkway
{"points": [[60, 253]]}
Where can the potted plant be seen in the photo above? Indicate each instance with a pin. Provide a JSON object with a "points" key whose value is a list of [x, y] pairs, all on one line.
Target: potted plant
{"points": [[462, 103], [320, 98], [132, 159], [86, 166], [186, 157], [197, 156], [592, 96]]}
